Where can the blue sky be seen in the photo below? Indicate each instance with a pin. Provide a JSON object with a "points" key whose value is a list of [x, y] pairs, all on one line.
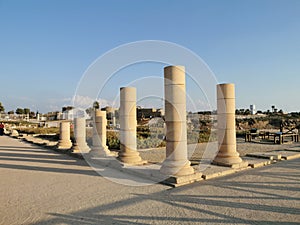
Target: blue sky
{"points": [[46, 46]]}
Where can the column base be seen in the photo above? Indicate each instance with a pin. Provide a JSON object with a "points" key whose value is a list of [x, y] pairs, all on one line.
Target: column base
{"points": [[227, 158], [102, 151], [176, 181], [64, 145], [176, 168], [130, 157], [80, 148], [233, 163]]}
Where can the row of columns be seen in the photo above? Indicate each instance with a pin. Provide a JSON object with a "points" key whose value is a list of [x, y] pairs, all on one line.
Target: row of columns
{"points": [[99, 146], [176, 162]]}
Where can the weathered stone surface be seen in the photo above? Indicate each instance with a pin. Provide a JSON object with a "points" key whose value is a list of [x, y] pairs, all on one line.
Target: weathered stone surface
{"points": [[80, 145], [64, 136], [266, 155], [288, 155], [176, 163], [128, 153], [227, 154], [99, 147], [257, 162]]}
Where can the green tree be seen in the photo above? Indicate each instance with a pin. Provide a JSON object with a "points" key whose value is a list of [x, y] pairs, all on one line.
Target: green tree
{"points": [[32, 114], [11, 112], [96, 105], [1, 107], [67, 108], [273, 108], [26, 111], [20, 111], [89, 110], [247, 112]]}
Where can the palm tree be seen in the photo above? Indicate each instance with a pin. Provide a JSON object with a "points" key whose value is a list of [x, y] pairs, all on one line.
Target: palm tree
{"points": [[273, 108], [96, 105]]}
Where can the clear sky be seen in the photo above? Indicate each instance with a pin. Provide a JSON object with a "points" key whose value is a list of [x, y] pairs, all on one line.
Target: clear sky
{"points": [[45, 46]]}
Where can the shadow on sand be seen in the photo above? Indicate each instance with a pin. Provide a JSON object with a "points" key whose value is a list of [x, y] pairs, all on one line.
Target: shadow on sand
{"points": [[206, 209]]}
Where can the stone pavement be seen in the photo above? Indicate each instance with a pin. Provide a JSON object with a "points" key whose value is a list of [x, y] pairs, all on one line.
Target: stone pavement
{"points": [[40, 186]]}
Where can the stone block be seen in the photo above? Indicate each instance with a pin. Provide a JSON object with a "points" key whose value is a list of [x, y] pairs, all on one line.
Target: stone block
{"points": [[174, 166], [100, 120], [257, 162], [226, 136], [214, 171], [226, 121], [175, 94], [99, 113], [226, 106], [128, 123], [175, 112], [288, 155], [176, 131], [265, 155], [174, 75], [127, 109], [227, 149], [177, 181], [127, 94], [128, 138], [176, 150], [225, 91]]}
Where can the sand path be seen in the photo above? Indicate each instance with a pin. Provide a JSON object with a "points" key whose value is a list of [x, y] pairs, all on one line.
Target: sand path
{"points": [[39, 186]]}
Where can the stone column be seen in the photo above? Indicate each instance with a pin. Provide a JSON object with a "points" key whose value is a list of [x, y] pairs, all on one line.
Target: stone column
{"points": [[114, 121], [227, 155], [99, 134], [176, 162], [128, 123], [64, 136], [80, 145]]}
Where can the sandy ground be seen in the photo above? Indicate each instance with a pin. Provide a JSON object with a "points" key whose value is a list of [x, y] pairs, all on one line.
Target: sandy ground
{"points": [[39, 186]]}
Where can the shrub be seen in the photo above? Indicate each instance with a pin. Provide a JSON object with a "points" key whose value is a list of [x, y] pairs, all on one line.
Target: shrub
{"points": [[38, 130], [112, 140]]}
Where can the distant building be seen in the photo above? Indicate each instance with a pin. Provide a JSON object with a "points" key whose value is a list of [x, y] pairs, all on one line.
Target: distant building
{"points": [[149, 112], [252, 109], [67, 113], [52, 115]]}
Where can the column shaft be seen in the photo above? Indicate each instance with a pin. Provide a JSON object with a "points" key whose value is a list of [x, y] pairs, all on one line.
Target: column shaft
{"points": [[99, 134], [227, 154], [64, 136], [80, 145], [128, 123], [176, 162]]}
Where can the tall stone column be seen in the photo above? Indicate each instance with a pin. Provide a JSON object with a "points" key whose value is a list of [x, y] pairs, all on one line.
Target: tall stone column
{"points": [[99, 134], [227, 155], [80, 145], [128, 123], [176, 162], [64, 136]]}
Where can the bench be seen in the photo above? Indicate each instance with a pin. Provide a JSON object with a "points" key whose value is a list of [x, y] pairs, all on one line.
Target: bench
{"points": [[251, 135], [280, 136]]}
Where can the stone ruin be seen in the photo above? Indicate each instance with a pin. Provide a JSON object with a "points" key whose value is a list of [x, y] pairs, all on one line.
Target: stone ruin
{"points": [[176, 165]]}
